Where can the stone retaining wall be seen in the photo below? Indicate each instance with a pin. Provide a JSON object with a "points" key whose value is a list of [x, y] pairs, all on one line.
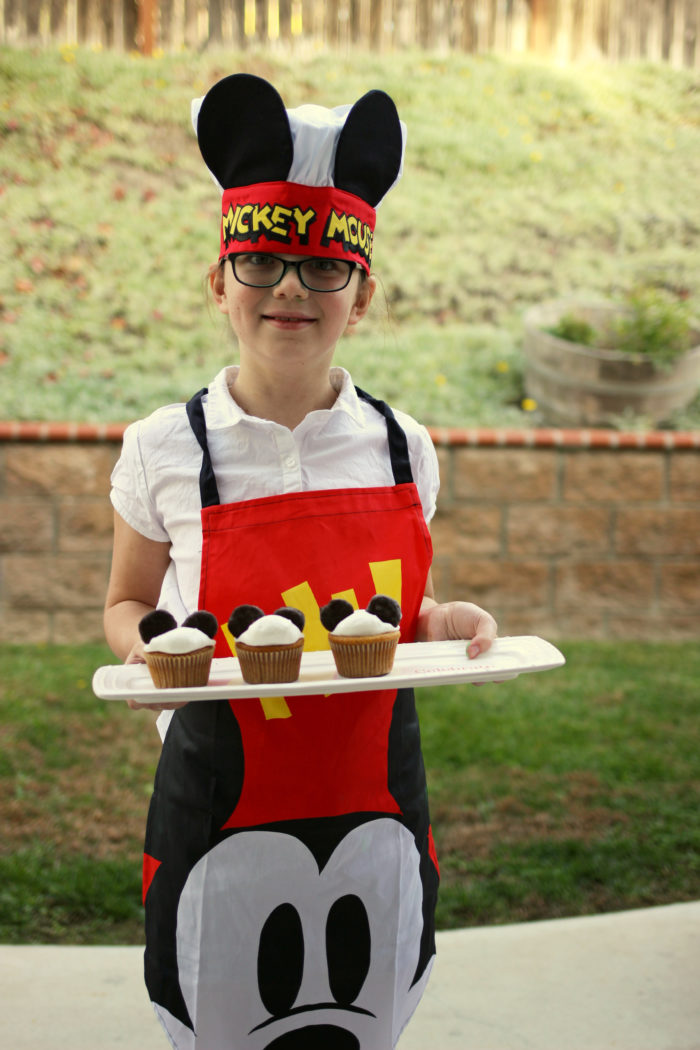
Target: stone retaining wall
{"points": [[591, 534]]}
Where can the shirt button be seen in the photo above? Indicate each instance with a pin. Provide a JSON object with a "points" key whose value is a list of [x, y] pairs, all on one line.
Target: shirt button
{"points": [[290, 461]]}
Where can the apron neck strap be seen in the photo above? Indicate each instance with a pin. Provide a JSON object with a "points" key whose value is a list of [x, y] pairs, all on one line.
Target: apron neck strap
{"points": [[207, 482], [398, 445]]}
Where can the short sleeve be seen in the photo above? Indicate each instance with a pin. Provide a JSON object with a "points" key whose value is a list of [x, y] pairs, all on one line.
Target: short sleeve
{"points": [[130, 494]]}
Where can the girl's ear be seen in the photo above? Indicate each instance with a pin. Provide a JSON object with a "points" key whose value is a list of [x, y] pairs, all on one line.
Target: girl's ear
{"points": [[217, 283], [370, 148], [243, 132], [365, 294]]}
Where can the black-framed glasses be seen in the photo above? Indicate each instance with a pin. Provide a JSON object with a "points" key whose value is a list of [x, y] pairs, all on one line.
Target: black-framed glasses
{"points": [[262, 270]]}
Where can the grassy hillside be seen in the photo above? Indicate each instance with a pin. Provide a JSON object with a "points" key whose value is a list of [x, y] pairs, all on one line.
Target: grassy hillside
{"points": [[523, 180]]}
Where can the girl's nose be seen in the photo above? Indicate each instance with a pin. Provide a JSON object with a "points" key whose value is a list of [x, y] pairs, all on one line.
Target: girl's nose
{"points": [[290, 287]]}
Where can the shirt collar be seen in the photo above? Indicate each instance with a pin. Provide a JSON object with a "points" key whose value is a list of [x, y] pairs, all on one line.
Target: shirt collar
{"points": [[223, 411]]}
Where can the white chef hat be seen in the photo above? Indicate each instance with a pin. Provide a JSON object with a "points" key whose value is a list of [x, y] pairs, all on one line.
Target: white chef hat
{"points": [[305, 181]]}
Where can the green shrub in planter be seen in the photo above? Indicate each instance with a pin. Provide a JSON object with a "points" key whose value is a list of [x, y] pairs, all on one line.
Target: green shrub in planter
{"points": [[594, 363]]}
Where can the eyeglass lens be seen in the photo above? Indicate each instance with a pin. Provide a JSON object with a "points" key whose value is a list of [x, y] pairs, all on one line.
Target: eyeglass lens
{"points": [[319, 275]]}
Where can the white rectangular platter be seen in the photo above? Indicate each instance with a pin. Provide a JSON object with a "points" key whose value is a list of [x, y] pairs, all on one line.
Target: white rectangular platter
{"points": [[416, 664]]}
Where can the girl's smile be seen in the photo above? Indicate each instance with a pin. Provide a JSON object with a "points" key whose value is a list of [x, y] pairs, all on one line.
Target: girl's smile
{"points": [[288, 319]]}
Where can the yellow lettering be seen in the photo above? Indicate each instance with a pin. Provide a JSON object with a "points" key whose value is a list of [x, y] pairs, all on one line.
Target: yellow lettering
{"points": [[348, 230], [302, 597], [261, 217], [275, 707], [244, 212], [228, 223], [303, 220], [349, 596], [387, 577], [337, 228], [280, 221]]}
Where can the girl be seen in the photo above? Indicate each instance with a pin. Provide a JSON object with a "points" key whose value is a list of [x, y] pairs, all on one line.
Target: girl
{"points": [[290, 875]]}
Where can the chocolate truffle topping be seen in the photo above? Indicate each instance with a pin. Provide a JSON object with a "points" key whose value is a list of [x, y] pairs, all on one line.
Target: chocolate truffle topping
{"points": [[154, 623], [385, 608], [242, 617], [204, 621], [336, 610], [295, 615]]}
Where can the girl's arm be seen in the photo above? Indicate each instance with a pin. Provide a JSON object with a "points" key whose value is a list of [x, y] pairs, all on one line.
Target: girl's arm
{"points": [[455, 620], [138, 568]]}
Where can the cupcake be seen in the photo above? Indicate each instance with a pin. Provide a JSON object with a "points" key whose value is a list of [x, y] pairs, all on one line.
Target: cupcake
{"points": [[363, 641], [268, 647], [178, 657]]}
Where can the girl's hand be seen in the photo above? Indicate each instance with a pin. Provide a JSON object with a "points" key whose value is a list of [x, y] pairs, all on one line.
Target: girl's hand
{"points": [[136, 657], [454, 620]]}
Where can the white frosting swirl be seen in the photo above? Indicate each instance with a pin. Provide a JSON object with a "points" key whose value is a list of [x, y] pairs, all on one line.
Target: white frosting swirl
{"points": [[361, 623], [179, 640], [271, 630]]}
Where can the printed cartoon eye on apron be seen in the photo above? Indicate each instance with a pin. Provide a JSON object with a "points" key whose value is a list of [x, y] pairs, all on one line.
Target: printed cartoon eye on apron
{"points": [[289, 873]]}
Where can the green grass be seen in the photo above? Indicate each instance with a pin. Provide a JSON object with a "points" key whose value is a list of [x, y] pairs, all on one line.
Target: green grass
{"points": [[577, 791], [523, 180], [571, 792]]}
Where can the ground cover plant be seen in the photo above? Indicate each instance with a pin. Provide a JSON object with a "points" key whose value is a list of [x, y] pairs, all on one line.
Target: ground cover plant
{"points": [[564, 793], [523, 181]]}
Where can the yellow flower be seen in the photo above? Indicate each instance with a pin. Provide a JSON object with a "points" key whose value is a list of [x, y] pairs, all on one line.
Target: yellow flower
{"points": [[440, 379], [536, 157], [528, 404], [502, 366]]}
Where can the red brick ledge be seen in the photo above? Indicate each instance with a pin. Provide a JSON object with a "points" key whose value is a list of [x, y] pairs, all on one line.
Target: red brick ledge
{"points": [[485, 437], [451, 437]]}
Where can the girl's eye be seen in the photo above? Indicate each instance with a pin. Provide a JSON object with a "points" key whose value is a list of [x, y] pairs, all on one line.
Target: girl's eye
{"points": [[259, 260], [326, 266]]}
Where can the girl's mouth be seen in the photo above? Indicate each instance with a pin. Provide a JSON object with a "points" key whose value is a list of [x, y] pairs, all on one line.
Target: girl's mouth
{"points": [[289, 321]]}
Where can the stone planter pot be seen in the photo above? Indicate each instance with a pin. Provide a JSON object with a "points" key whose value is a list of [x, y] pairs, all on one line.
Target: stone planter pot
{"points": [[576, 385]]}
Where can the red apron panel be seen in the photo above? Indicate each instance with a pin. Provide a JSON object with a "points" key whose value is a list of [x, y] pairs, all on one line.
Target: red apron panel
{"points": [[315, 756]]}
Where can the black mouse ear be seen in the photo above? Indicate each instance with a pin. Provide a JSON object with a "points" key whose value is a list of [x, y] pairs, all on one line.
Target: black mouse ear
{"points": [[155, 623], [242, 617], [243, 132], [370, 148], [291, 613]]}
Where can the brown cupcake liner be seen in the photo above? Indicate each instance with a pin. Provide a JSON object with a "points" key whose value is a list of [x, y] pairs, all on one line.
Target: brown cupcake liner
{"points": [[368, 656], [180, 670], [263, 664]]}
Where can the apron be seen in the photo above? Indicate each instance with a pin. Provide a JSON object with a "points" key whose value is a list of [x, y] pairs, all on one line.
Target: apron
{"points": [[290, 876]]}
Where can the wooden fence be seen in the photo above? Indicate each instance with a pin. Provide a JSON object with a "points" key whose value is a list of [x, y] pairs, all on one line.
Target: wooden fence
{"points": [[568, 30]]}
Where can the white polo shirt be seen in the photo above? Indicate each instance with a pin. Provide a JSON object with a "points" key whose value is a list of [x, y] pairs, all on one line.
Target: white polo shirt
{"points": [[155, 484]]}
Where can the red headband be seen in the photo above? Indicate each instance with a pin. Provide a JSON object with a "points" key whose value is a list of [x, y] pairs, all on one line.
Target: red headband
{"points": [[288, 217]]}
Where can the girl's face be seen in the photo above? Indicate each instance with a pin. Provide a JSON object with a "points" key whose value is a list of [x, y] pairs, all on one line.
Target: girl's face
{"points": [[288, 325]]}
